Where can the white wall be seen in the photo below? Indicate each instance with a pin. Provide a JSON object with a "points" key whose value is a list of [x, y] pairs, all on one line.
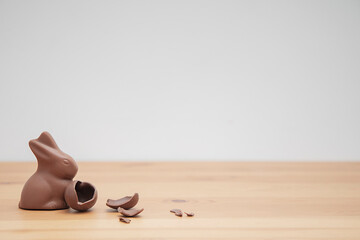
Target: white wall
{"points": [[181, 80]]}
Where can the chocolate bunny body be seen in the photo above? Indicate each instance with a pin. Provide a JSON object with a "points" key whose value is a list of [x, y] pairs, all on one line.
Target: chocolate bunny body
{"points": [[56, 170]]}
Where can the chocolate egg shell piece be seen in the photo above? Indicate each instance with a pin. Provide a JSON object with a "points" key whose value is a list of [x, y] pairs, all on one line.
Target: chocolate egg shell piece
{"points": [[175, 210], [125, 202], [189, 214], [124, 220], [80, 196], [131, 212], [178, 213]]}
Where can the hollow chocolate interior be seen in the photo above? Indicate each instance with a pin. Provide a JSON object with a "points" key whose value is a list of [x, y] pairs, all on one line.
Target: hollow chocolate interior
{"points": [[84, 191]]}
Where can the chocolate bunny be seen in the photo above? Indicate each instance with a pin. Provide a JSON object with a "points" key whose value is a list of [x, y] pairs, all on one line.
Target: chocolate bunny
{"points": [[56, 170]]}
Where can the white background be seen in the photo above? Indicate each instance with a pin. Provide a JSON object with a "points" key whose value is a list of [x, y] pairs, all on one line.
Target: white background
{"points": [[182, 80]]}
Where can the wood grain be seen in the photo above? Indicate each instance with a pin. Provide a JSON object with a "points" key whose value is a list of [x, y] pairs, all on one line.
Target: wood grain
{"points": [[231, 200]]}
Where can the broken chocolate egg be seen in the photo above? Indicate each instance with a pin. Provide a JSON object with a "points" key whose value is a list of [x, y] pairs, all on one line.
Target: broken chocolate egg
{"points": [[125, 202], [80, 196]]}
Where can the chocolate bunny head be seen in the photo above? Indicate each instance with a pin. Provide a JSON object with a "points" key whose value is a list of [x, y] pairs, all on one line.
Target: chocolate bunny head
{"points": [[51, 159]]}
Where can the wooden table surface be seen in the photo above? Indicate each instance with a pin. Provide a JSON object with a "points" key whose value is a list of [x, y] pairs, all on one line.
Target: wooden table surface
{"points": [[233, 200]]}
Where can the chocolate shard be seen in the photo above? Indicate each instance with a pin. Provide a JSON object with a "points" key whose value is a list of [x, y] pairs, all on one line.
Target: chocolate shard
{"points": [[124, 220], [189, 214], [131, 212], [125, 202], [178, 213], [175, 210]]}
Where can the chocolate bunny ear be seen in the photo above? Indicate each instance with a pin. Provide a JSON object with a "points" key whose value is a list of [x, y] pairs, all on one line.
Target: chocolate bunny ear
{"points": [[48, 140], [43, 147]]}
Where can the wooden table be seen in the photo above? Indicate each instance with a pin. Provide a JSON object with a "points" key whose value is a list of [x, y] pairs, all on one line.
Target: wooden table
{"points": [[233, 200]]}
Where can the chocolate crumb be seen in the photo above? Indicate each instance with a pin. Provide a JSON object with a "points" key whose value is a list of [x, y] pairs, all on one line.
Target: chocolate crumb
{"points": [[175, 210], [189, 214], [124, 220]]}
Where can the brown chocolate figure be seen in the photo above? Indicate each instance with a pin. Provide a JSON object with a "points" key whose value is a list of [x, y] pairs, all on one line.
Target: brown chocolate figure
{"points": [[56, 170]]}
